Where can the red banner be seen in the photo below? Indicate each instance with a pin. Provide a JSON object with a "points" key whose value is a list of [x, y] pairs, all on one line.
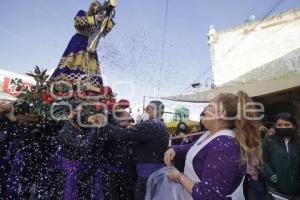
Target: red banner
{"points": [[10, 85]]}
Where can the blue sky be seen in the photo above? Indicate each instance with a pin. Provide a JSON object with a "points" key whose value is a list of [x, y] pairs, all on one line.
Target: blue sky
{"points": [[36, 32]]}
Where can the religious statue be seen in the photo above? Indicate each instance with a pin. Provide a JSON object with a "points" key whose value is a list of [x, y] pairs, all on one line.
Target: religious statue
{"points": [[79, 63]]}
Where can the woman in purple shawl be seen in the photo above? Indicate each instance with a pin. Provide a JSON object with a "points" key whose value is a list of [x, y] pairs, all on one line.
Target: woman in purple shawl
{"points": [[215, 165]]}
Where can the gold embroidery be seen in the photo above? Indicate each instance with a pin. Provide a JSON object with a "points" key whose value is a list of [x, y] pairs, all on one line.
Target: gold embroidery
{"points": [[89, 83], [81, 21], [85, 25], [110, 24], [91, 20], [77, 61]]}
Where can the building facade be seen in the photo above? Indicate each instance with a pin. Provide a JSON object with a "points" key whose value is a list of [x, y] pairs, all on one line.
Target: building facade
{"points": [[252, 46]]}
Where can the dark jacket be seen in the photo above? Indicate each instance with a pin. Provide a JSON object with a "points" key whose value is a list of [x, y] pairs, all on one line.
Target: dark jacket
{"points": [[119, 153], [25, 160], [151, 138], [7, 144], [79, 144], [6, 134], [34, 147], [82, 149], [284, 162]]}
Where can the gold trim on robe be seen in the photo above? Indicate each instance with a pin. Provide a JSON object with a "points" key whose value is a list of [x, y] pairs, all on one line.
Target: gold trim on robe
{"points": [[77, 61], [91, 20]]}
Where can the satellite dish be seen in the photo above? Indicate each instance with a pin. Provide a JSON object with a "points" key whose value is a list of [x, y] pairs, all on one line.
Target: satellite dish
{"points": [[251, 18]]}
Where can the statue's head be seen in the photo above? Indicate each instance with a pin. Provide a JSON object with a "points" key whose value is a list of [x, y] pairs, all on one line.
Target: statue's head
{"points": [[95, 8]]}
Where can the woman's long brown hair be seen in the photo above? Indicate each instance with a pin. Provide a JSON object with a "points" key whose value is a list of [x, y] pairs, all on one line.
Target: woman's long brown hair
{"points": [[243, 120]]}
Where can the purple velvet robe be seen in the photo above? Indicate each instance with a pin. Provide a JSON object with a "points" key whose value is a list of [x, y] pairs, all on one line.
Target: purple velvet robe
{"points": [[219, 167]]}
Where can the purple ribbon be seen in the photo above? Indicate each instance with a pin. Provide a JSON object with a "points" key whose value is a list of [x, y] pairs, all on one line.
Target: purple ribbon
{"points": [[98, 192], [71, 184], [7, 155], [13, 182]]}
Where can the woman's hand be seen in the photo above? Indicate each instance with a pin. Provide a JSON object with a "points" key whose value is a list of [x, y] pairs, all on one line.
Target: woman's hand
{"points": [[91, 119], [173, 174], [98, 119], [176, 176], [169, 156], [5, 107]]}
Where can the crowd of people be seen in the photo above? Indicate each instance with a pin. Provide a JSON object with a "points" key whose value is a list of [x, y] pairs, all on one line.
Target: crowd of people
{"points": [[235, 158], [104, 156], [61, 160]]}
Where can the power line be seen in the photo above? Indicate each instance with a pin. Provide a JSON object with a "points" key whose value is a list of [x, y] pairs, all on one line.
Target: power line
{"points": [[242, 39], [273, 8]]}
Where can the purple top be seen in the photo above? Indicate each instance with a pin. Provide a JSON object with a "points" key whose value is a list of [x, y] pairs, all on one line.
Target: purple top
{"points": [[218, 165]]}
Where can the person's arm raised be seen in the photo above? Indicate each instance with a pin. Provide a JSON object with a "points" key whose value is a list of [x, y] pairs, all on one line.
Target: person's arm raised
{"points": [[137, 133]]}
